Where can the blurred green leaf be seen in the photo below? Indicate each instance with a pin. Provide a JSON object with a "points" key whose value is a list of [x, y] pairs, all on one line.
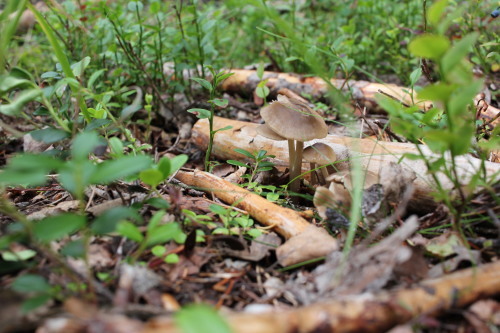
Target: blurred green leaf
{"points": [[49, 135], [57, 227], [29, 283], [129, 230], [429, 46], [200, 318]]}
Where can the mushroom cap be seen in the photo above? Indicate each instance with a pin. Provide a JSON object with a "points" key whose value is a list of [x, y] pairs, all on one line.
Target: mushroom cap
{"points": [[267, 132], [344, 178], [294, 120], [319, 153]]}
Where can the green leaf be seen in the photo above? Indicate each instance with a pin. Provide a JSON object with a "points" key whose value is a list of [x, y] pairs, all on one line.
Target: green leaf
{"points": [[158, 250], [155, 7], [11, 82], [177, 162], [221, 102], [164, 166], [245, 152], [76, 175], [107, 221], [75, 249], [21, 255], [437, 92], [435, 11], [151, 177], [415, 76], [200, 318], [29, 283], [122, 167], [155, 220], [458, 52], [79, 67], [221, 77], [429, 46], [33, 162], [223, 129], [83, 145], [57, 227], [49, 135], [172, 258], [130, 230], [237, 163], [116, 146], [217, 209], [135, 6], [204, 83], [18, 103], [260, 71], [461, 98], [35, 302], [158, 203], [164, 233], [262, 92], [200, 113], [94, 77]]}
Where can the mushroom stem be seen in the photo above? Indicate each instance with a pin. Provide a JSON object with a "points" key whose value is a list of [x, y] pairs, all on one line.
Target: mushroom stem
{"points": [[324, 173], [297, 167], [314, 177]]}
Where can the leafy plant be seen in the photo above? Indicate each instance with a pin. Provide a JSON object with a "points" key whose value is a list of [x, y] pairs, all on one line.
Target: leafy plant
{"points": [[258, 163], [234, 222], [217, 78], [448, 129]]}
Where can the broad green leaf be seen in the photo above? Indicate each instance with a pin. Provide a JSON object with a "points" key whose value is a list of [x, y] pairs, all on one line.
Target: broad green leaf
{"points": [[429, 46], [107, 221], [75, 249], [177, 162], [94, 77], [200, 318], [79, 67], [437, 92], [129, 230], [122, 167], [18, 103], [172, 258], [217, 209], [221, 77], [435, 12], [31, 162], [158, 250], [16, 178], [262, 92], [56, 227], [29, 283], [116, 146], [220, 102], [164, 233], [76, 176], [460, 99], [35, 302], [245, 152], [204, 83], [415, 76], [49, 135], [151, 177], [458, 52], [164, 166], [155, 7], [158, 203], [84, 144], [18, 255], [10, 82], [200, 113], [155, 220]]}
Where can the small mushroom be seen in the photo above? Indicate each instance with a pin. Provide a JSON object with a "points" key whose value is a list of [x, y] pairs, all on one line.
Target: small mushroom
{"points": [[296, 122], [322, 155]]}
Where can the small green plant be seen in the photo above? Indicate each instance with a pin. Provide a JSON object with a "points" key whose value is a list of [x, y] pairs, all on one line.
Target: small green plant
{"points": [[258, 163], [217, 78], [448, 129], [235, 223]]}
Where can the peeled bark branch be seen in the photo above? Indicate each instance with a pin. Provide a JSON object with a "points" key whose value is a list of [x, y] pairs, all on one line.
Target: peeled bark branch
{"points": [[303, 237], [374, 155]]}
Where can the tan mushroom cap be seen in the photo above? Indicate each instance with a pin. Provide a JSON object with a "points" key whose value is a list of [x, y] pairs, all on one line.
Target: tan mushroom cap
{"points": [[344, 178], [319, 153], [294, 120], [267, 132]]}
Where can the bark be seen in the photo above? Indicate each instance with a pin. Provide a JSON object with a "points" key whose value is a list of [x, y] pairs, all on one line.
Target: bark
{"points": [[284, 221], [367, 312], [374, 155], [245, 81]]}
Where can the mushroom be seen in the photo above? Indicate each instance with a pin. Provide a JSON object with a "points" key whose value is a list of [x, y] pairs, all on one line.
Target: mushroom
{"points": [[296, 122], [322, 155]]}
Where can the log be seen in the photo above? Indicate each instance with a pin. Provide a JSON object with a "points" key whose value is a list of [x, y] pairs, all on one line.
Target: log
{"points": [[373, 155], [245, 81], [366, 312], [288, 223]]}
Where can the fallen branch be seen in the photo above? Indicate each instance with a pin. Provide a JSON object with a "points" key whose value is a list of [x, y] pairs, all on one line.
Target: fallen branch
{"points": [[245, 81], [302, 236], [374, 155], [366, 312]]}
